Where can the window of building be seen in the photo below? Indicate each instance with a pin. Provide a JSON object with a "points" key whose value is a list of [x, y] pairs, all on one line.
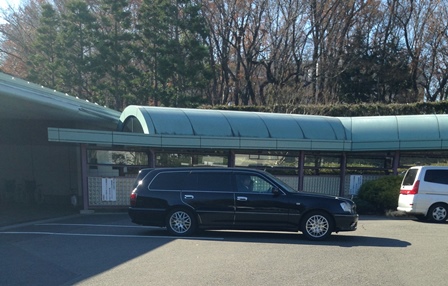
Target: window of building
{"points": [[114, 163], [322, 163], [370, 163], [409, 159], [274, 162], [191, 159]]}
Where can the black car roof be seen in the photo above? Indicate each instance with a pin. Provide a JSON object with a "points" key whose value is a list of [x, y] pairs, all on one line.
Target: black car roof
{"points": [[213, 169]]}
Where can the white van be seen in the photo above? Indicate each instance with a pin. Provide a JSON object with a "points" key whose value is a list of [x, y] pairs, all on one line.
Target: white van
{"points": [[424, 193]]}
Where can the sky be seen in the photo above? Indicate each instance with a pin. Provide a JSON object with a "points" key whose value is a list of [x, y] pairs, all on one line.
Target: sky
{"points": [[5, 4]]}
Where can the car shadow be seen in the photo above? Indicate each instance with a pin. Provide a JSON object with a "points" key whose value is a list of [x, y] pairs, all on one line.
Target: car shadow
{"points": [[428, 221], [283, 238], [399, 217]]}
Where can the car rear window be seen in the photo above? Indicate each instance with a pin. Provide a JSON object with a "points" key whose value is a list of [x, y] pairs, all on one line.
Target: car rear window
{"points": [[437, 176], [410, 177], [141, 174]]}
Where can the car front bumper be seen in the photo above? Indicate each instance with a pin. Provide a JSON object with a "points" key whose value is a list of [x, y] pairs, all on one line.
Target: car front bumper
{"points": [[346, 222]]}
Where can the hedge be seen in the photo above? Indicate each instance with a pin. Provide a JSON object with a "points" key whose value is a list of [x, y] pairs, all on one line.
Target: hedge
{"points": [[346, 110]]}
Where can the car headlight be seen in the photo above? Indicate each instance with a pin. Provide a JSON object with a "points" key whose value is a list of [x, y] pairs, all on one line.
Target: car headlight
{"points": [[346, 207]]}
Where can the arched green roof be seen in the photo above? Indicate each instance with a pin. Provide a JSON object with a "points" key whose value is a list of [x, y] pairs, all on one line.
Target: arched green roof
{"points": [[287, 131], [403, 132], [201, 122]]}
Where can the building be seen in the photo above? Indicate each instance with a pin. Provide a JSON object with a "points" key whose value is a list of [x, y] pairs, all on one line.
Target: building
{"points": [[56, 147]]}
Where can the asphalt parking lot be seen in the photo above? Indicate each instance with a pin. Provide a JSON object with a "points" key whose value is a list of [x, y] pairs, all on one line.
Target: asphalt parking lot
{"points": [[107, 249]]}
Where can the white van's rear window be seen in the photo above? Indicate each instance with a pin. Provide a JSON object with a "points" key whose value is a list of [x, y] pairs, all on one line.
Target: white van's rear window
{"points": [[410, 177]]}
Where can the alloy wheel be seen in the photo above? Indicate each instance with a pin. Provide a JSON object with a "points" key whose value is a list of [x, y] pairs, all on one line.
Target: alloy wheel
{"points": [[180, 222]]}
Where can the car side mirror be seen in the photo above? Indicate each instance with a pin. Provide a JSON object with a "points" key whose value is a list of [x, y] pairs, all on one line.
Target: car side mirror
{"points": [[275, 191]]}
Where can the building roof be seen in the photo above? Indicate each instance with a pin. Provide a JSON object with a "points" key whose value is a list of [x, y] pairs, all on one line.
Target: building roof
{"points": [[216, 129], [234, 129], [201, 122], [411, 132], [22, 100], [403, 132]]}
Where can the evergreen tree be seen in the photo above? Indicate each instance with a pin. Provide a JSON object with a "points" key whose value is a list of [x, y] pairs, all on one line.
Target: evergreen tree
{"points": [[373, 73], [114, 53], [77, 49], [356, 82], [173, 34], [43, 64]]}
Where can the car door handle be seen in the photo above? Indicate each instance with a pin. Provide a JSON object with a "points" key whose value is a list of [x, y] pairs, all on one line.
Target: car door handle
{"points": [[241, 199], [188, 197]]}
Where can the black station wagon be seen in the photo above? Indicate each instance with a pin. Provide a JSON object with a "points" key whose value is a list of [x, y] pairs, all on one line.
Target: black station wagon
{"points": [[185, 199]]}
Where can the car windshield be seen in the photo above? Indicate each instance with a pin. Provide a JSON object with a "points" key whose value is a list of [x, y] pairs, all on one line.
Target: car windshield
{"points": [[281, 183]]}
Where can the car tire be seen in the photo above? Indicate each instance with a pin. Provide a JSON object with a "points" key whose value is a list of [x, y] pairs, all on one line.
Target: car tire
{"points": [[181, 222], [438, 213], [317, 225]]}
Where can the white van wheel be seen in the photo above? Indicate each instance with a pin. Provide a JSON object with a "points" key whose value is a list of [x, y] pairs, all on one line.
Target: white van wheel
{"points": [[438, 213]]}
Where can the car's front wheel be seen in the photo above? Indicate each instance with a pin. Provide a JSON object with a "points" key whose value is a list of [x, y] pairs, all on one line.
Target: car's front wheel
{"points": [[438, 213], [317, 225], [181, 222]]}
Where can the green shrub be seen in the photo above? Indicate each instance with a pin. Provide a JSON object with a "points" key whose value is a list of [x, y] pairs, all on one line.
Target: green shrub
{"points": [[381, 194], [344, 110], [364, 207]]}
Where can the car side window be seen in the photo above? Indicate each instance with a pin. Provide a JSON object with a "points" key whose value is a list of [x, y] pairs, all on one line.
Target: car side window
{"points": [[437, 176], [213, 181], [168, 181], [252, 183]]}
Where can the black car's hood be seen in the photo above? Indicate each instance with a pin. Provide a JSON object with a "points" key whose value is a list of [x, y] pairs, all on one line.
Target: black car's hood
{"points": [[321, 196]]}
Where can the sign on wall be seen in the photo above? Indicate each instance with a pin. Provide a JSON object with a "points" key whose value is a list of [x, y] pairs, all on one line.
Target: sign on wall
{"points": [[355, 184], [109, 189]]}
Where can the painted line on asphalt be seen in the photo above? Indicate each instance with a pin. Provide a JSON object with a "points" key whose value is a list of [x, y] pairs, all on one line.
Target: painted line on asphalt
{"points": [[97, 225], [107, 235]]}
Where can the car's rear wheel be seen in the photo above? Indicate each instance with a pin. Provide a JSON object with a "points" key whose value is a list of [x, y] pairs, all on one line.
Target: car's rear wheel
{"points": [[317, 225], [438, 213], [181, 222]]}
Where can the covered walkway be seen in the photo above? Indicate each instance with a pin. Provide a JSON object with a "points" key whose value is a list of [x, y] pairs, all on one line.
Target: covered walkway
{"points": [[291, 131]]}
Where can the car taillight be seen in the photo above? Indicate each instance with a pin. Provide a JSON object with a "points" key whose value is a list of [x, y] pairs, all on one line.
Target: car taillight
{"points": [[133, 199], [412, 191]]}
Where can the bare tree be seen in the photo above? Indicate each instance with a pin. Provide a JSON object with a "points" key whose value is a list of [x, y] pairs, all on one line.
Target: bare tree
{"points": [[219, 19], [260, 51], [434, 57], [414, 17], [284, 55], [16, 35]]}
